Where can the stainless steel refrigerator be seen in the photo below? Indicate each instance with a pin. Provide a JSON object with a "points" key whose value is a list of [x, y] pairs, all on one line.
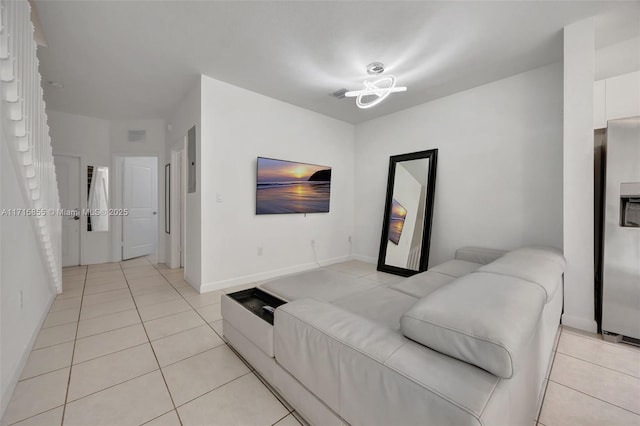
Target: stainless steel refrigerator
{"points": [[621, 238]]}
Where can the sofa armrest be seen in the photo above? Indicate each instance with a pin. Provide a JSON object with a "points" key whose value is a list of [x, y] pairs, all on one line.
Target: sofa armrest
{"points": [[359, 368], [479, 254]]}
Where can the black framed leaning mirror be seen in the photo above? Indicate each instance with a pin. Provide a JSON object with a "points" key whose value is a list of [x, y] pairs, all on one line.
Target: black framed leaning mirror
{"points": [[408, 212]]}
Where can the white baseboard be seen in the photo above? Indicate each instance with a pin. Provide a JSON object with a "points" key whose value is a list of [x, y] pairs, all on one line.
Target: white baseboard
{"points": [[363, 258], [261, 276], [580, 323], [15, 377]]}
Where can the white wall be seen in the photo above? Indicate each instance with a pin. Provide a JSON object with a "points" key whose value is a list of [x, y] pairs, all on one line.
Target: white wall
{"points": [[237, 126], [90, 138], [22, 271], [97, 141], [579, 58], [185, 116], [499, 165]]}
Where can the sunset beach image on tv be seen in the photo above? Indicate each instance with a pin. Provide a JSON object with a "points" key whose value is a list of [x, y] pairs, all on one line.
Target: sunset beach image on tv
{"points": [[289, 187], [396, 221]]}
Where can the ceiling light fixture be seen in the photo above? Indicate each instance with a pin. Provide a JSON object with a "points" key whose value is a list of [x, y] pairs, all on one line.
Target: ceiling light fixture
{"points": [[380, 89]]}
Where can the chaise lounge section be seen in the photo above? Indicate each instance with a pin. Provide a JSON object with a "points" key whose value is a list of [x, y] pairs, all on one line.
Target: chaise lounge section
{"points": [[466, 343]]}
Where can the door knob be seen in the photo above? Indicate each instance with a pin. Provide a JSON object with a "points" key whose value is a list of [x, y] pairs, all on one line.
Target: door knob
{"points": [[155, 212], [76, 217]]}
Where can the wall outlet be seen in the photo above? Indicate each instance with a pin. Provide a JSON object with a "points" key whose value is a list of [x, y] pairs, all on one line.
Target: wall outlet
{"points": [[219, 198], [259, 251], [313, 243]]}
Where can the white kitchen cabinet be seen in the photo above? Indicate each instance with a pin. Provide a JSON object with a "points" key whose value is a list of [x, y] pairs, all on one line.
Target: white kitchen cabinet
{"points": [[616, 97]]}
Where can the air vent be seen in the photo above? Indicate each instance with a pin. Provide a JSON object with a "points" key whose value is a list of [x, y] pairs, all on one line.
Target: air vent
{"points": [[137, 135], [339, 94]]}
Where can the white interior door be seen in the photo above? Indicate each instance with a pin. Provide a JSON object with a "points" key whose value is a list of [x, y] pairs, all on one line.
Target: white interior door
{"points": [[140, 198], [68, 176]]}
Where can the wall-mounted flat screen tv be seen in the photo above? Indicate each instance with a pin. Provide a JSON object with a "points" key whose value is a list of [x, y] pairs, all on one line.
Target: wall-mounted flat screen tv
{"points": [[290, 187]]}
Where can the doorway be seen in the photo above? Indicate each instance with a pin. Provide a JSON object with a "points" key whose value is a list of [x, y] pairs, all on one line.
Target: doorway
{"points": [[136, 207], [69, 188]]}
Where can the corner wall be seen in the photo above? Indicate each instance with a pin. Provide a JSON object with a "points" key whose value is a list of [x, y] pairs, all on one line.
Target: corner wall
{"points": [[499, 165], [579, 59], [238, 126]]}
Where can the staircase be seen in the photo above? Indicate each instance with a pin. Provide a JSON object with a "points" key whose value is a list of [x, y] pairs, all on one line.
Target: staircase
{"points": [[24, 129]]}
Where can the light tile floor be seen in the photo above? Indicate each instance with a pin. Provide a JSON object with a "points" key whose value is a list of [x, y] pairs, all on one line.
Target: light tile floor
{"points": [[132, 343], [592, 382]]}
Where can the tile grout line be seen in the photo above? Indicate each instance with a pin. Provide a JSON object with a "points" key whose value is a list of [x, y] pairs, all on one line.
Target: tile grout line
{"points": [[178, 332], [164, 414], [598, 365], [211, 390], [111, 353], [596, 398], [168, 315], [104, 315], [64, 323], [194, 355], [281, 418], [114, 385], [152, 348], [42, 374], [35, 415], [73, 352]]}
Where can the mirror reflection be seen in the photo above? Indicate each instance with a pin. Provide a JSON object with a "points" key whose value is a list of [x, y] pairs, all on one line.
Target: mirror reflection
{"points": [[97, 198], [409, 205], [406, 221]]}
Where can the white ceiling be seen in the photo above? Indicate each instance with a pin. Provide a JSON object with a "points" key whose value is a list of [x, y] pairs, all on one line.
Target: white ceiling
{"points": [[137, 59]]}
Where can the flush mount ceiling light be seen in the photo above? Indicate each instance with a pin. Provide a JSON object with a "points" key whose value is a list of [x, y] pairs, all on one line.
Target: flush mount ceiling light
{"points": [[375, 91]]}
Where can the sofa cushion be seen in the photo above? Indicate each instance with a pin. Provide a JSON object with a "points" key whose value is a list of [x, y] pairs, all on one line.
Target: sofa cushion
{"points": [[381, 305], [320, 284], [542, 267], [484, 319], [456, 268], [419, 285]]}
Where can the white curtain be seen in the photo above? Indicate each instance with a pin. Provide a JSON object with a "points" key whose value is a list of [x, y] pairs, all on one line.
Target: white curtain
{"points": [[98, 199]]}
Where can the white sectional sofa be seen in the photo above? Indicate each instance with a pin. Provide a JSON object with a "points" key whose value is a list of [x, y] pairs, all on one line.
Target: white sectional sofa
{"points": [[468, 342]]}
